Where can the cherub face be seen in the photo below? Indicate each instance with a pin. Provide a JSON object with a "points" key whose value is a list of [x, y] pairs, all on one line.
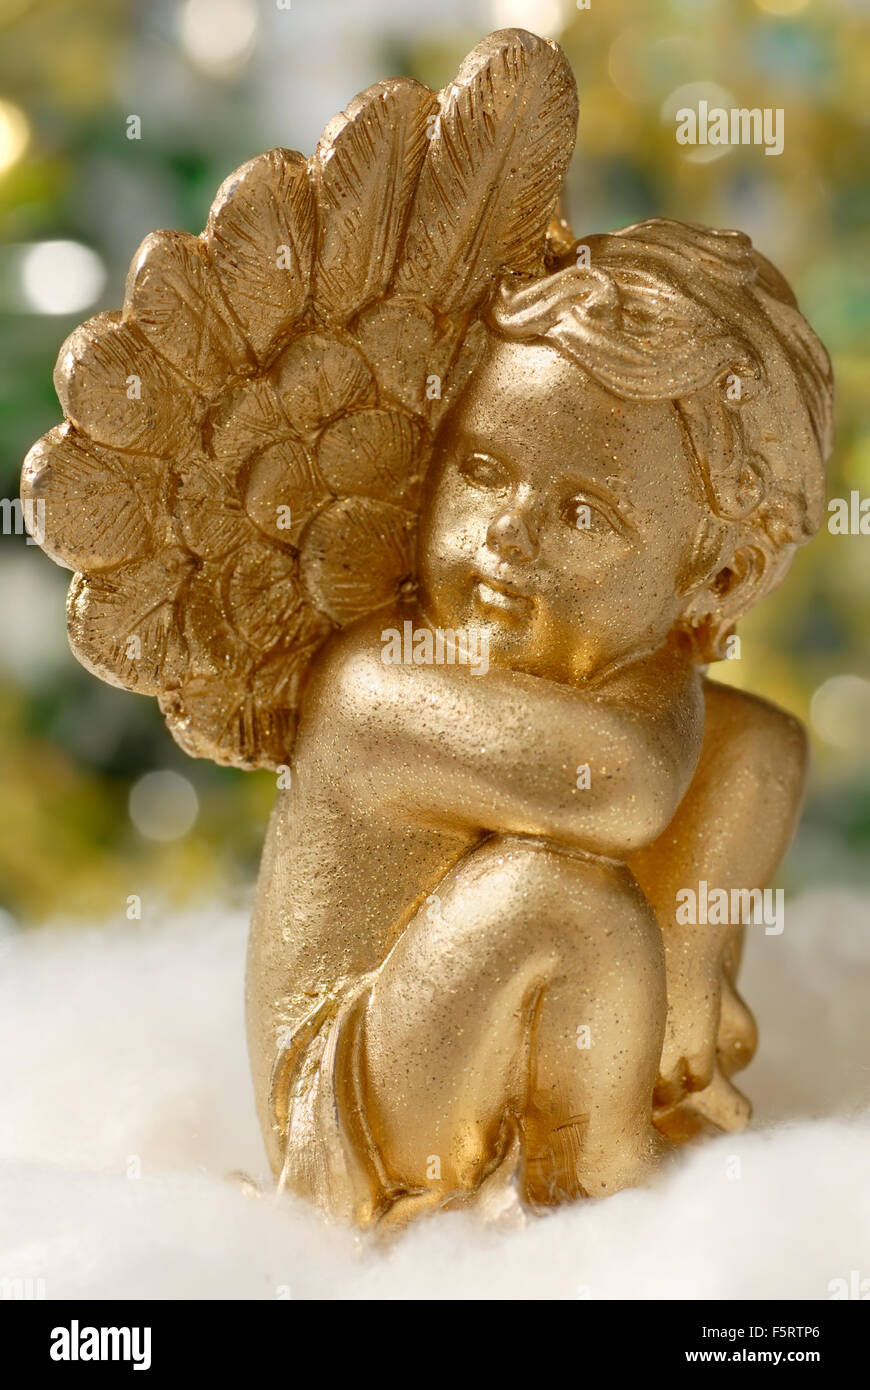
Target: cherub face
{"points": [[560, 518]]}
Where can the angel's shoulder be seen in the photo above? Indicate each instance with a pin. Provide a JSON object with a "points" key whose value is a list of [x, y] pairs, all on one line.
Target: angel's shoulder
{"points": [[755, 732], [350, 672]]}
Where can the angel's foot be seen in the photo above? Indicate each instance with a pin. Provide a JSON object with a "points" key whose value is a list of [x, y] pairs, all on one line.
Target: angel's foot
{"points": [[570, 1167], [722, 1104], [719, 1107]]}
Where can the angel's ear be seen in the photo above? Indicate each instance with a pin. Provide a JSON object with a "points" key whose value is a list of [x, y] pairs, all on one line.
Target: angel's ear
{"points": [[740, 584], [718, 602]]}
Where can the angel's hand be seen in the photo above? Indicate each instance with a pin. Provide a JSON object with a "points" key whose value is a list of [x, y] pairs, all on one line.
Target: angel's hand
{"points": [[710, 1033], [689, 1049]]}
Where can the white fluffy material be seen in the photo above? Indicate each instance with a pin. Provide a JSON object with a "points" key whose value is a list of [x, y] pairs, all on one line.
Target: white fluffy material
{"points": [[126, 1044]]}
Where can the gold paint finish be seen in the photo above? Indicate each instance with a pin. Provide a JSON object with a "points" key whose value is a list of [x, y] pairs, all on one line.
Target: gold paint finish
{"points": [[384, 394]]}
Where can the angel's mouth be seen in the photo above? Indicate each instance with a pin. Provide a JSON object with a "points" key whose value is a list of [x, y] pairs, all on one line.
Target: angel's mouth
{"points": [[492, 594]]}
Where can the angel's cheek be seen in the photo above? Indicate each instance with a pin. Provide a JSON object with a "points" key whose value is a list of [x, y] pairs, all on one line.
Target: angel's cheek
{"points": [[451, 537], [445, 587]]}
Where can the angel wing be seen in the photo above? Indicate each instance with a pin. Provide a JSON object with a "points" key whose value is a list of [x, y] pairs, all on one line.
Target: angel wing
{"points": [[239, 472]]}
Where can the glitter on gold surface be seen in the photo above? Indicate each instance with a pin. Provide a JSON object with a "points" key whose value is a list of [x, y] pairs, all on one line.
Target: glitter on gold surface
{"points": [[388, 391]]}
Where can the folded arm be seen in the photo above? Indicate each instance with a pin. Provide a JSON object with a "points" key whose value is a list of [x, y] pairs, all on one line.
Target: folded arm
{"points": [[503, 752]]}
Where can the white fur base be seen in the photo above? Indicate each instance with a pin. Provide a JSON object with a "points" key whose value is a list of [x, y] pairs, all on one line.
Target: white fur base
{"points": [[124, 1051]]}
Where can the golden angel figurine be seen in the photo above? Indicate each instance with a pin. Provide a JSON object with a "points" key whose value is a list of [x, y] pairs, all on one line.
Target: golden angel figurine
{"points": [[389, 482]]}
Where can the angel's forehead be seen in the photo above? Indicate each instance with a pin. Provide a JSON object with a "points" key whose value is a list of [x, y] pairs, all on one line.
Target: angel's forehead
{"points": [[528, 396]]}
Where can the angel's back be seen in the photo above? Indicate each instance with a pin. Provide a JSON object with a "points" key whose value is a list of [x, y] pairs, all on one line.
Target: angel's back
{"points": [[342, 870]]}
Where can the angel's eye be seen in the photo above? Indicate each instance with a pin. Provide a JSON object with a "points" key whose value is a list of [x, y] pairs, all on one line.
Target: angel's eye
{"points": [[583, 515], [484, 471]]}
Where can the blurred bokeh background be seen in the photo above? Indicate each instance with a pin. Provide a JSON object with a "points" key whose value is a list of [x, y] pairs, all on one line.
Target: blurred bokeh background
{"points": [[88, 774]]}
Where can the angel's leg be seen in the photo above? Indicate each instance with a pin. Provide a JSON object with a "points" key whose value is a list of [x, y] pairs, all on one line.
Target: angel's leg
{"points": [[533, 985]]}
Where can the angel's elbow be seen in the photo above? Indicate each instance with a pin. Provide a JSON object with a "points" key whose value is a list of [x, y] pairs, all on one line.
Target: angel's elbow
{"points": [[642, 817], [619, 822]]}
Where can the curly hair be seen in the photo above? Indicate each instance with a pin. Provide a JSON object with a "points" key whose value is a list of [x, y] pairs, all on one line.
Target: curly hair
{"points": [[670, 311]]}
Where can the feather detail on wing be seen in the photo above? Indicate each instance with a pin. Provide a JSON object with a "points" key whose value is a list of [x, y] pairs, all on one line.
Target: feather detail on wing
{"points": [[260, 239], [240, 473], [493, 172], [366, 169]]}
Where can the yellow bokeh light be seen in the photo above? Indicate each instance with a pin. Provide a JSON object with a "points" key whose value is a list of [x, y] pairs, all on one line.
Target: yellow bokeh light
{"points": [[11, 10], [782, 7], [689, 97], [14, 134]]}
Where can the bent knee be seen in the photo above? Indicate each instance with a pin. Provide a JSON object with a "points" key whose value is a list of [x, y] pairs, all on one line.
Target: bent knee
{"points": [[538, 897]]}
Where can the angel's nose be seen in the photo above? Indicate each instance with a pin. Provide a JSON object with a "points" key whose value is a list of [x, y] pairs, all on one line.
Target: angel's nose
{"points": [[511, 534]]}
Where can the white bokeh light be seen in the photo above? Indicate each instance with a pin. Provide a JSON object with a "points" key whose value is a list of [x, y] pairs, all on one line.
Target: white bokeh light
{"points": [[163, 805], [61, 277], [840, 713], [546, 17], [218, 35]]}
